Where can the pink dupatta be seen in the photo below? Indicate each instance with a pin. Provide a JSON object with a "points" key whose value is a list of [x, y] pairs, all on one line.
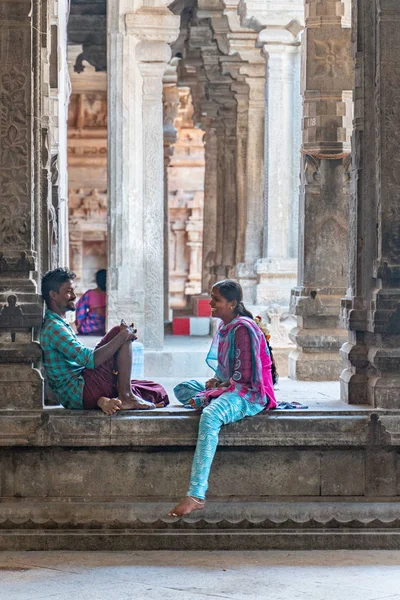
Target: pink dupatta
{"points": [[221, 359]]}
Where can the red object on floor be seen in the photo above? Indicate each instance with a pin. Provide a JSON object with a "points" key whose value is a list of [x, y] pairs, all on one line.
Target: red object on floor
{"points": [[181, 326], [202, 307]]}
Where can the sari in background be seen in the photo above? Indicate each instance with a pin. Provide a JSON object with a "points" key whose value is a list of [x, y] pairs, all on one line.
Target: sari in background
{"points": [[91, 313]]}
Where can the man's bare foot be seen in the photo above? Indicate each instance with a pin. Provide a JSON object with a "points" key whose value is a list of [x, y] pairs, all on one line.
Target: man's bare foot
{"points": [[186, 506], [109, 406], [135, 403]]}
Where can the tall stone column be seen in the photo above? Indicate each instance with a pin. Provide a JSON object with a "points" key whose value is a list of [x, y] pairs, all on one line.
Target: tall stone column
{"points": [[22, 213], [371, 308], [324, 210], [253, 232], [210, 209], [171, 106], [153, 188], [226, 228], [277, 269], [138, 50]]}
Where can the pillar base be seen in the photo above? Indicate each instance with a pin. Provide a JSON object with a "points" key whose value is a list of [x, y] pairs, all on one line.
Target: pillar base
{"points": [[319, 366]]}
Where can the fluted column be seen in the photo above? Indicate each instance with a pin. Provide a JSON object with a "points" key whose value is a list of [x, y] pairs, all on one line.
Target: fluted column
{"points": [[210, 209], [371, 308], [138, 50], [277, 269], [153, 192], [171, 106], [324, 209], [254, 181]]}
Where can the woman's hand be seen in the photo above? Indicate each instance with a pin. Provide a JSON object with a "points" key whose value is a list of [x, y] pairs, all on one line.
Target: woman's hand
{"points": [[212, 383]]}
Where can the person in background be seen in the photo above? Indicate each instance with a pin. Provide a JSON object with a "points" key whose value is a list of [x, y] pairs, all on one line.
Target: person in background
{"points": [[90, 317]]}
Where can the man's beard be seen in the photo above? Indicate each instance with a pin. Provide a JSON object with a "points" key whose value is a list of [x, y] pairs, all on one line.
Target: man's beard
{"points": [[69, 307]]}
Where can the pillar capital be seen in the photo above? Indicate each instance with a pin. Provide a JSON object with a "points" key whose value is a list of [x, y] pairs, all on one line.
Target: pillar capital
{"points": [[325, 13], [153, 24], [152, 54]]}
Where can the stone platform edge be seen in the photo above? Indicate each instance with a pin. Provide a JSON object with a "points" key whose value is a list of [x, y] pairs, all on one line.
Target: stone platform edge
{"points": [[177, 427], [294, 525]]}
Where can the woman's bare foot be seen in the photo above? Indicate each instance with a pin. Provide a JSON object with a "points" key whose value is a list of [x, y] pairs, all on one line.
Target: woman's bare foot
{"points": [[109, 406], [132, 402], [187, 506]]}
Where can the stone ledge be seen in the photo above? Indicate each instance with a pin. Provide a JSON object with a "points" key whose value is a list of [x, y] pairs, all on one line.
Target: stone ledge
{"points": [[48, 525], [177, 427]]}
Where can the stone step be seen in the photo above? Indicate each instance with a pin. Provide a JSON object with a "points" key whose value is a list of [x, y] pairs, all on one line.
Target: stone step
{"points": [[280, 524]]}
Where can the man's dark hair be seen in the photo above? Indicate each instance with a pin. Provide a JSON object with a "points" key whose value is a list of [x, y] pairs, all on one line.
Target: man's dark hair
{"points": [[101, 279], [53, 280]]}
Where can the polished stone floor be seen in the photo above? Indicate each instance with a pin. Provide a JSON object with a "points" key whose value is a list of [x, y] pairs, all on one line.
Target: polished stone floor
{"points": [[339, 575]]}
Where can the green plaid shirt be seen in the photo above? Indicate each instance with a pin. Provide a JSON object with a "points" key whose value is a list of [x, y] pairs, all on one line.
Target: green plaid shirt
{"points": [[64, 359]]}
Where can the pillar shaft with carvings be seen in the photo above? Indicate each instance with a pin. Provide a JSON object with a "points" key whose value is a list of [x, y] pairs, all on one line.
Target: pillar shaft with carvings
{"points": [[138, 49], [277, 269], [253, 222], [371, 308], [324, 210], [171, 106], [21, 209], [210, 209]]}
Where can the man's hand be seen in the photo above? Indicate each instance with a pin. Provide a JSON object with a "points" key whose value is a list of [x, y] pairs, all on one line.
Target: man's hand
{"points": [[129, 331]]}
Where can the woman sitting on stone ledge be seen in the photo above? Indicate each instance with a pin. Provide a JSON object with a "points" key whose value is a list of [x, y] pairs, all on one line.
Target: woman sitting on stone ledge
{"points": [[242, 386], [86, 378]]}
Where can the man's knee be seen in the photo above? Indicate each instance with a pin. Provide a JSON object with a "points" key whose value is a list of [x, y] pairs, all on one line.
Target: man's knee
{"points": [[114, 331]]}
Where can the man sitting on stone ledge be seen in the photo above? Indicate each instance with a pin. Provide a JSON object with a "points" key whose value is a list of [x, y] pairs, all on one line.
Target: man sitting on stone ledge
{"points": [[87, 378]]}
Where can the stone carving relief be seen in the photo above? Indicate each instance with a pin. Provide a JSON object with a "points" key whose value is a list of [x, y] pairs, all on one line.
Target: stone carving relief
{"points": [[331, 58], [53, 237], [280, 322], [308, 306], [88, 232], [185, 205], [393, 243], [23, 264], [88, 206], [11, 316], [95, 55], [14, 148], [88, 110], [311, 169], [393, 326]]}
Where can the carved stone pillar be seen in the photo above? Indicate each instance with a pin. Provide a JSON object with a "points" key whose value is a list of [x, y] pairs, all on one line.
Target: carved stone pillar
{"points": [[194, 230], [171, 105], [277, 269], [253, 233], [210, 209], [138, 50], [371, 309], [324, 211], [21, 210], [227, 201]]}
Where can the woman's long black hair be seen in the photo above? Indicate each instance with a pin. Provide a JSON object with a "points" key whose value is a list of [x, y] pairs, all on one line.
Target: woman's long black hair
{"points": [[232, 290]]}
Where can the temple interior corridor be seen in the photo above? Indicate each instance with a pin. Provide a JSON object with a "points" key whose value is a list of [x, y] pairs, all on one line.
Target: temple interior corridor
{"points": [[175, 144]]}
